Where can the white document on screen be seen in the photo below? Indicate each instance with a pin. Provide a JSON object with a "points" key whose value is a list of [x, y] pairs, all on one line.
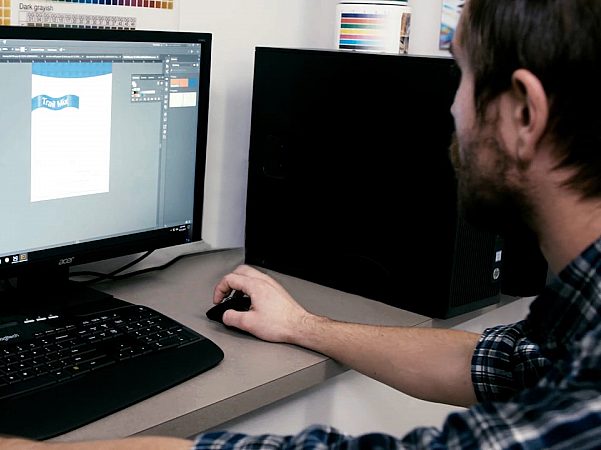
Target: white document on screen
{"points": [[70, 129]]}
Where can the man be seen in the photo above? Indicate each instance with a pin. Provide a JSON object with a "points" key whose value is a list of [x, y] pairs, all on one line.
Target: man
{"points": [[528, 152]]}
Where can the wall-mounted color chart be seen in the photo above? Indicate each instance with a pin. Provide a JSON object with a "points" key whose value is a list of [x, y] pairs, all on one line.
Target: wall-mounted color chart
{"points": [[373, 27], [451, 9], [68, 20], [360, 31], [4, 12], [100, 14], [161, 4]]}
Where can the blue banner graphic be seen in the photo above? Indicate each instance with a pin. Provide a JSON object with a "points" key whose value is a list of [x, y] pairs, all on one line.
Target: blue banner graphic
{"points": [[71, 69], [55, 104]]}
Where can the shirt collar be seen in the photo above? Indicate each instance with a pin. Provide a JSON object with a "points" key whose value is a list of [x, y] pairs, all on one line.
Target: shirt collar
{"points": [[570, 305]]}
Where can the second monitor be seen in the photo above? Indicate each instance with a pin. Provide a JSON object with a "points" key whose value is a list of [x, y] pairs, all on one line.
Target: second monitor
{"points": [[350, 184]]}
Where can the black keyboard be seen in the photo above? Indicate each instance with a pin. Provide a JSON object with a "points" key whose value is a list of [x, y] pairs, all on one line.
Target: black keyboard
{"points": [[59, 371]]}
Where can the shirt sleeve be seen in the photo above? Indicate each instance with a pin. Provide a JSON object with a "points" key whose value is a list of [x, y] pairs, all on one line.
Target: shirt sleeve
{"points": [[539, 418], [506, 362], [317, 437]]}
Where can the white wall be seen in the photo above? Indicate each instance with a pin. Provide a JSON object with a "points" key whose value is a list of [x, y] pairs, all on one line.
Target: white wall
{"points": [[425, 27], [237, 27]]}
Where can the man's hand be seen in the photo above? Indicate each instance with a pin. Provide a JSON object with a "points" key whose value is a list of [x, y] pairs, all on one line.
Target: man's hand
{"points": [[274, 315]]}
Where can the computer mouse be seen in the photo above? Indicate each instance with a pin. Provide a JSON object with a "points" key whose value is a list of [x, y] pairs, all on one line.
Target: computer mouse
{"points": [[237, 300]]}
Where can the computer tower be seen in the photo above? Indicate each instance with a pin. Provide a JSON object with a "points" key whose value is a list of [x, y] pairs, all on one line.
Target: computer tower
{"points": [[350, 183], [525, 269]]}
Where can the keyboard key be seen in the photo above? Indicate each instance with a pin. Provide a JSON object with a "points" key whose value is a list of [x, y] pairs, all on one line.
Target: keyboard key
{"points": [[25, 386]]}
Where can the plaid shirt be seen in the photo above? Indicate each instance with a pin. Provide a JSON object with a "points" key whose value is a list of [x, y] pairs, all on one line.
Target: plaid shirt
{"points": [[538, 382]]}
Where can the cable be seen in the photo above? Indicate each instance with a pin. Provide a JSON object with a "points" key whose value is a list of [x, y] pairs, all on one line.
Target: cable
{"points": [[111, 275], [114, 274]]}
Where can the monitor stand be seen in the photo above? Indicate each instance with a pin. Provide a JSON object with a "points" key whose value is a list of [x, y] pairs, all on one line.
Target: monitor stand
{"points": [[49, 291]]}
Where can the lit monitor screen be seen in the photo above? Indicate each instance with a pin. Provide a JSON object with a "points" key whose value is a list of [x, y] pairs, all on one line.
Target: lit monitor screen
{"points": [[103, 143]]}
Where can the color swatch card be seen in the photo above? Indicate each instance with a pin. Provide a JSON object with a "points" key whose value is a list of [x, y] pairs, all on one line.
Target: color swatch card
{"points": [[160, 4], [451, 10], [373, 27], [70, 129], [5, 12], [101, 14]]}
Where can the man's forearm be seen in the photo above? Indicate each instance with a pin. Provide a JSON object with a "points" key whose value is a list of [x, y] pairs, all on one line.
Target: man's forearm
{"points": [[427, 363], [145, 443]]}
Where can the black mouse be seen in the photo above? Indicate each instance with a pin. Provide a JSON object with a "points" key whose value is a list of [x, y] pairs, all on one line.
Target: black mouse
{"points": [[237, 300]]}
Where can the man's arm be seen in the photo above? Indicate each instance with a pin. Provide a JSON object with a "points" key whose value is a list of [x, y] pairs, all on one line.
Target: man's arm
{"points": [[145, 443], [426, 363]]}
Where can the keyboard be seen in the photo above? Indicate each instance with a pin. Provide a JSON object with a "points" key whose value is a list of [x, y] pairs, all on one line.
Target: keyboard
{"points": [[59, 371]]}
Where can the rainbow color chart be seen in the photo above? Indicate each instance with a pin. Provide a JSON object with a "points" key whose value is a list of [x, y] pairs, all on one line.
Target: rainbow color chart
{"points": [[4, 12], [160, 4], [362, 31]]}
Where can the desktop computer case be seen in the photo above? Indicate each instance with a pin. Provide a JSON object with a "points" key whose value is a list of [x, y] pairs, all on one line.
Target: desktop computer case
{"points": [[350, 183]]}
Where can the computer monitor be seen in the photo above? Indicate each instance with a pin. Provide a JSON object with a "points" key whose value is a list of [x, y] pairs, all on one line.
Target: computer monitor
{"points": [[350, 184], [102, 149]]}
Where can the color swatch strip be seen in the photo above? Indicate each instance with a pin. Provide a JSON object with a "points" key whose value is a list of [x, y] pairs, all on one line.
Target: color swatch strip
{"points": [[160, 4], [4, 12], [360, 31], [67, 20]]}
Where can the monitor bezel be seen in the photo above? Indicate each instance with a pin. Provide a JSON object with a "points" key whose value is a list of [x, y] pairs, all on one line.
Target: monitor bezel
{"points": [[60, 258]]}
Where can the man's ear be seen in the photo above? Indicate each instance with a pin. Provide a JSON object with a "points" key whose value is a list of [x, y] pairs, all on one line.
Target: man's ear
{"points": [[529, 114]]}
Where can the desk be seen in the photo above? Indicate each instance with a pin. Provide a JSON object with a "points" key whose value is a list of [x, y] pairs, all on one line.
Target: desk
{"points": [[253, 373]]}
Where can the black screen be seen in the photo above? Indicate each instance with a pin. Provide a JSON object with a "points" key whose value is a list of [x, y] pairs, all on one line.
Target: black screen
{"points": [[350, 184]]}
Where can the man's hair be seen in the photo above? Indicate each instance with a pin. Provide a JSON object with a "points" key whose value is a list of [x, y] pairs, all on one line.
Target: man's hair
{"points": [[559, 41]]}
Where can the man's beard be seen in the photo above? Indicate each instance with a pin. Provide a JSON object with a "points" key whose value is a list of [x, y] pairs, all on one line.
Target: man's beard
{"points": [[484, 196]]}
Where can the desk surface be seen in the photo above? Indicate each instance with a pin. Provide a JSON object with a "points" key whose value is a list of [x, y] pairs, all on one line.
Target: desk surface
{"points": [[253, 373]]}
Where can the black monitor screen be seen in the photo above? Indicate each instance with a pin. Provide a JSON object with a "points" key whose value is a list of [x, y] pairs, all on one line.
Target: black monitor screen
{"points": [[103, 143], [350, 183]]}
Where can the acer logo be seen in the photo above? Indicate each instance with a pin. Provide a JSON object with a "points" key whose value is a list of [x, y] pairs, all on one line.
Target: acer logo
{"points": [[64, 261]]}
